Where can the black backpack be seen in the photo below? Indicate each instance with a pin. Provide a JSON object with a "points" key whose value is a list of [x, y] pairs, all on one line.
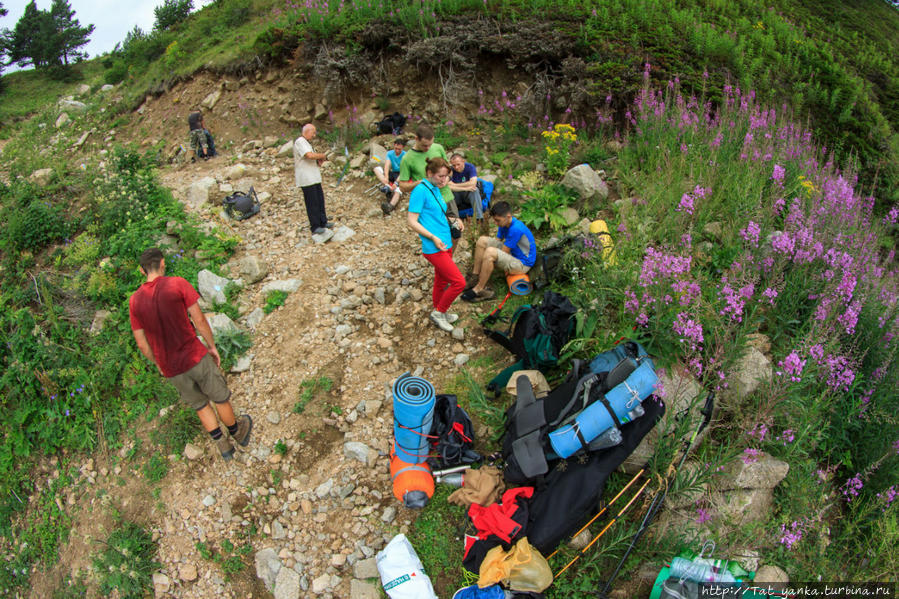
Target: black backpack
{"points": [[452, 435], [536, 335], [527, 450], [392, 124], [240, 205]]}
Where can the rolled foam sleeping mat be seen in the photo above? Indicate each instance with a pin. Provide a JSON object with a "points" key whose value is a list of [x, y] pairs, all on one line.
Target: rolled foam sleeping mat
{"points": [[413, 412], [519, 284], [607, 360], [595, 419]]}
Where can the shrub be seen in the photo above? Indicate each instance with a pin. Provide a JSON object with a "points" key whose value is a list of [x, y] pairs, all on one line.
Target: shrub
{"points": [[34, 225]]}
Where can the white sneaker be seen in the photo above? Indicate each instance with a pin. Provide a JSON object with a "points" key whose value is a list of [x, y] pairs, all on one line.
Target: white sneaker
{"points": [[451, 318], [439, 318]]}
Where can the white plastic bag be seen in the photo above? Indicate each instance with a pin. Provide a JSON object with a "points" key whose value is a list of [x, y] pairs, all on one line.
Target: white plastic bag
{"points": [[401, 571]]}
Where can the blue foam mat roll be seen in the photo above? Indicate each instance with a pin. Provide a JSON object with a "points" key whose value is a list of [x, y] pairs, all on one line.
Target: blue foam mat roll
{"points": [[595, 419], [413, 412]]}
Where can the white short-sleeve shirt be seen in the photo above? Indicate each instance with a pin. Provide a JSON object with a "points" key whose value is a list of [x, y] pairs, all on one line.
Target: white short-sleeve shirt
{"points": [[305, 170]]}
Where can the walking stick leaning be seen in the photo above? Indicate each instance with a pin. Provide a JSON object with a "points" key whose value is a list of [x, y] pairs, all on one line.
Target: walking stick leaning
{"points": [[659, 499]]}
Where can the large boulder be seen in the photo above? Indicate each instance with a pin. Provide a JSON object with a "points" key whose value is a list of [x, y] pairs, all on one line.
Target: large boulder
{"points": [[753, 369], [252, 269], [72, 106], [287, 286], [680, 391], [198, 192], [287, 584], [236, 172], [378, 155], [211, 99], [221, 323], [764, 472], [41, 176], [267, 567], [586, 182], [212, 287]]}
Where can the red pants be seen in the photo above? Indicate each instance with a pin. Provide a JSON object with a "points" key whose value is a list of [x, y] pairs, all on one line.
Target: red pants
{"points": [[448, 281]]}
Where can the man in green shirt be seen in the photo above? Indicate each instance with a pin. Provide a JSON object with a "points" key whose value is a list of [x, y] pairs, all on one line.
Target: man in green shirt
{"points": [[412, 167]]}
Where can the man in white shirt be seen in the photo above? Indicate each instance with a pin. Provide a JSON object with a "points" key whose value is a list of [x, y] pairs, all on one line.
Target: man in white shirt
{"points": [[308, 177]]}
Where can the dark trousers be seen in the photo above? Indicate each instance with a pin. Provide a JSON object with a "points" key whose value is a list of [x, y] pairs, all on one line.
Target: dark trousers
{"points": [[314, 198]]}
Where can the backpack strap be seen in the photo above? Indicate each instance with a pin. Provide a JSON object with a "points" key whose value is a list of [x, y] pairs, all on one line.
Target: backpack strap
{"points": [[529, 420]]}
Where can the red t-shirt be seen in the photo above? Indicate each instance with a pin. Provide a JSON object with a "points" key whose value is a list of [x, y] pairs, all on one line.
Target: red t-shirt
{"points": [[160, 309]]}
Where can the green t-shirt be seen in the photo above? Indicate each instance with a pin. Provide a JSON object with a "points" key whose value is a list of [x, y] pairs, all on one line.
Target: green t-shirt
{"points": [[412, 168]]}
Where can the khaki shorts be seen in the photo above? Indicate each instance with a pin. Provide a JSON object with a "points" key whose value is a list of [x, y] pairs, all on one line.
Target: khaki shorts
{"points": [[201, 384], [508, 263]]}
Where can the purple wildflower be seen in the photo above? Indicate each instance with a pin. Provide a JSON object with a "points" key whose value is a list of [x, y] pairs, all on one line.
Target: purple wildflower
{"points": [[851, 487], [791, 536], [750, 455], [792, 366], [778, 174], [751, 233]]}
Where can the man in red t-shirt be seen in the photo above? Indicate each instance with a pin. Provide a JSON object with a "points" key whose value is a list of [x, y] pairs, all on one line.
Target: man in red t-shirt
{"points": [[161, 313]]}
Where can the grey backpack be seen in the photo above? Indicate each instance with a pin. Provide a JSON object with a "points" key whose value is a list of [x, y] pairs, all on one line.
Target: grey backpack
{"points": [[240, 205]]}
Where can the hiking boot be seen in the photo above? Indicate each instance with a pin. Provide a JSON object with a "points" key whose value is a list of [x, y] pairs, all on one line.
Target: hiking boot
{"points": [[439, 319], [318, 230], [244, 427], [386, 208], [329, 225], [486, 294], [384, 188], [223, 444], [451, 318]]}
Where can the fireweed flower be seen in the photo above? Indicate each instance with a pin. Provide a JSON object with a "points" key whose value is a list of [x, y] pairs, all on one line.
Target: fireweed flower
{"points": [[888, 496], [791, 536], [759, 432], [702, 515], [750, 455], [689, 330], [851, 487], [751, 233], [686, 204], [771, 294], [787, 436], [792, 366], [778, 175]]}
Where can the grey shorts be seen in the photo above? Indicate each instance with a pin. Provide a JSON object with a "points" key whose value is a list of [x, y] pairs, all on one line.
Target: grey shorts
{"points": [[507, 263], [201, 384]]}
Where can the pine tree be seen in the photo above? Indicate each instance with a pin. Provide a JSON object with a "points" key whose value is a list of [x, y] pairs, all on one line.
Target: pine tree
{"points": [[30, 42], [70, 35]]}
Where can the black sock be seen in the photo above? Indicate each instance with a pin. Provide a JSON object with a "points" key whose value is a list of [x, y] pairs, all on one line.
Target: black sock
{"points": [[216, 434], [233, 428]]}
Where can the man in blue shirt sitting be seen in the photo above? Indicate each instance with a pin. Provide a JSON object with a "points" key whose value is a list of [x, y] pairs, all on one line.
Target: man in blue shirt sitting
{"points": [[513, 250]]}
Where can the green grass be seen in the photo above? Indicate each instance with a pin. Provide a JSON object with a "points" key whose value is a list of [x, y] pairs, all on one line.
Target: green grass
{"points": [[156, 468], [437, 537], [175, 430], [126, 564], [275, 299], [309, 390]]}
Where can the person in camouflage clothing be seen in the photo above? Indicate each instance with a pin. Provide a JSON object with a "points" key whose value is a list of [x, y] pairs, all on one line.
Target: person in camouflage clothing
{"points": [[201, 142]]}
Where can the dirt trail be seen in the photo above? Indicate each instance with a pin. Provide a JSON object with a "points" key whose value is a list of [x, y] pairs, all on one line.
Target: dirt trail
{"points": [[359, 318]]}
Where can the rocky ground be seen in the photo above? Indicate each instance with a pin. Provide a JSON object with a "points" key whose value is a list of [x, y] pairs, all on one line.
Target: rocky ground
{"points": [[359, 316]]}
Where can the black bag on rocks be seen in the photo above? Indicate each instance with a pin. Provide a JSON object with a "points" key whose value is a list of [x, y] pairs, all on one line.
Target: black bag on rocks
{"points": [[240, 205], [393, 123], [452, 435]]}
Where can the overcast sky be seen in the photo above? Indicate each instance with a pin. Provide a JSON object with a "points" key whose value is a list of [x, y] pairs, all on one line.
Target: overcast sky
{"points": [[112, 19]]}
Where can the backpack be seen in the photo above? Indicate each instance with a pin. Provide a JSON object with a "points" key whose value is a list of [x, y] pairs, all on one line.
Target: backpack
{"points": [[584, 414], [393, 123], [240, 205], [536, 335], [452, 435]]}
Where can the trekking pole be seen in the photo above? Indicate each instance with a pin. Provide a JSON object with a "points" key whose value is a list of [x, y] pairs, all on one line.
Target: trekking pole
{"points": [[603, 531], [604, 509], [659, 499]]}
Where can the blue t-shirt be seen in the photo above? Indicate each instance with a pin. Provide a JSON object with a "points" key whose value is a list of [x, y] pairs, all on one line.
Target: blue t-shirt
{"points": [[395, 160], [426, 201], [468, 171], [519, 239]]}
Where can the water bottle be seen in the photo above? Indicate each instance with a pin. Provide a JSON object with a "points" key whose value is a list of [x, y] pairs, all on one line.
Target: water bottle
{"points": [[736, 570], [699, 572], [454, 479]]}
